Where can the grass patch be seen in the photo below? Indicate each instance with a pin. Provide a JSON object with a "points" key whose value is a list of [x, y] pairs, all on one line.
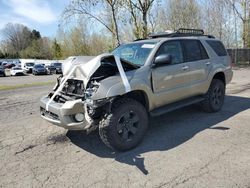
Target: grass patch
{"points": [[9, 87]]}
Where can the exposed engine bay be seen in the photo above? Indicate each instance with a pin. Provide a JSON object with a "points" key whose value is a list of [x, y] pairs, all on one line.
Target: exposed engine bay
{"points": [[79, 83]]}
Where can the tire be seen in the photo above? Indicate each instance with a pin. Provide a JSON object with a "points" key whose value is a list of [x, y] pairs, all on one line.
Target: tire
{"points": [[214, 98], [124, 127]]}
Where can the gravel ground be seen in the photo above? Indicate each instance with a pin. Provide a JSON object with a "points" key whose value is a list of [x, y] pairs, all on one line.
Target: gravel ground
{"points": [[184, 148]]}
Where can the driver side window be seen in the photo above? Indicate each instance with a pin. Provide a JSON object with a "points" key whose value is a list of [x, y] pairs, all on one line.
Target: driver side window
{"points": [[172, 48]]}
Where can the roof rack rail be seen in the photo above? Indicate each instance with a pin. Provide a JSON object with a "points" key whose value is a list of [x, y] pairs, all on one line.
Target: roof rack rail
{"points": [[182, 32]]}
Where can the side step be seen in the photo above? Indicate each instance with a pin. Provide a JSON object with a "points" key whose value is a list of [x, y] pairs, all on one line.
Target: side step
{"points": [[175, 106]]}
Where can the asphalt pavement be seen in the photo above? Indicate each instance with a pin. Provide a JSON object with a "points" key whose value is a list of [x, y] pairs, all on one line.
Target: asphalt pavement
{"points": [[184, 148]]}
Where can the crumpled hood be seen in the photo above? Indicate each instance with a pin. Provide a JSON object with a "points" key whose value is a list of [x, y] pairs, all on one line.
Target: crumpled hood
{"points": [[84, 66], [69, 63], [81, 68]]}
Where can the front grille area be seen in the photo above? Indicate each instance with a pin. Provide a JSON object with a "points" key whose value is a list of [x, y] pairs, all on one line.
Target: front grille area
{"points": [[73, 88], [48, 114]]}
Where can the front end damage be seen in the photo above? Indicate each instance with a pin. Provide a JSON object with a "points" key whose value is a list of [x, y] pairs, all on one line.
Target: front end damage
{"points": [[71, 105]]}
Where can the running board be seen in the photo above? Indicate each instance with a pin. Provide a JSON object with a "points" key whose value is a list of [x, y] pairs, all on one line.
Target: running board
{"points": [[175, 106]]}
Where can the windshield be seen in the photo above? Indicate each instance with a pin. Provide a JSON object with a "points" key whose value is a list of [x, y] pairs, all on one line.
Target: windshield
{"points": [[57, 64], [17, 68], [30, 64], [136, 53], [39, 66]]}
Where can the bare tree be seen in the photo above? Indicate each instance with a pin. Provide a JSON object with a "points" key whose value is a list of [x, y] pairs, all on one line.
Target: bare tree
{"points": [[242, 9], [135, 19], [89, 8], [143, 6], [183, 13], [17, 36]]}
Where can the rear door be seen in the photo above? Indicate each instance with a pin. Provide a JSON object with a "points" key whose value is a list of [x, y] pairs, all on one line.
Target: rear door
{"points": [[198, 62]]}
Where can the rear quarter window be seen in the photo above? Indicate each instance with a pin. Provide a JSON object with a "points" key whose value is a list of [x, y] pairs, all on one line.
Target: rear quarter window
{"points": [[218, 47]]}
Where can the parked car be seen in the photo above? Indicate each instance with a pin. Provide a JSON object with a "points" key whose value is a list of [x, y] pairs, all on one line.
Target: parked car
{"points": [[2, 71], [9, 65], [39, 69], [4, 63], [116, 92], [17, 71], [50, 69], [28, 67], [58, 67]]}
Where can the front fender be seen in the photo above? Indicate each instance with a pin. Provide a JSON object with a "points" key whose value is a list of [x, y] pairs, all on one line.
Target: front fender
{"points": [[109, 87]]}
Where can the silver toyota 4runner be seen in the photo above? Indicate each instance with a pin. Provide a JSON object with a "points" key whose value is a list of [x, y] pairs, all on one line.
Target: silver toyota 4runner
{"points": [[117, 92]]}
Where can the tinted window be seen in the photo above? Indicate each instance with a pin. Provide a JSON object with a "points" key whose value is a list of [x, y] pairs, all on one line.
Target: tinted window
{"points": [[30, 64], [57, 64], [172, 48], [203, 52], [218, 47], [194, 50]]}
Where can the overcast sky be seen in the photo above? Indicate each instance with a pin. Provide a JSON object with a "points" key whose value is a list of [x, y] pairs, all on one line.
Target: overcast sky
{"points": [[42, 15]]}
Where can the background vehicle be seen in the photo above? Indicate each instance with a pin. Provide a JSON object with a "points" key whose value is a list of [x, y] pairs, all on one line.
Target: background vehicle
{"points": [[9, 65], [28, 67], [58, 67], [16, 71], [116, 92], [2, 71], [39, 69], [50, 69]]}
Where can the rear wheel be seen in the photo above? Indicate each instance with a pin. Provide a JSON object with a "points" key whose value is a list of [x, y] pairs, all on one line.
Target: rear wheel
{"points": [[124, 127], [214, 98]]}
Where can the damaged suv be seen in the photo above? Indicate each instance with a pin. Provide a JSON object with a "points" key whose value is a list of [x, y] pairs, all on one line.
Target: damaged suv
{"points": [[117, 92]]}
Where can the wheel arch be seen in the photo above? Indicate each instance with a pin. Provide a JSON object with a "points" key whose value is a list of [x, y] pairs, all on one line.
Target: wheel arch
{"points": [[140, 96], [220, 76]]}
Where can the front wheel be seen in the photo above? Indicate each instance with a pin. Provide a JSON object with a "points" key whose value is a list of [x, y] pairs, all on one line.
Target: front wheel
{"points": [[214, 98], [124, 127]]}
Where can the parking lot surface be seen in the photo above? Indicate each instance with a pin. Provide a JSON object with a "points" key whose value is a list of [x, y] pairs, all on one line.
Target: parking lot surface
{"points": [[27, 79], [184, 148]]}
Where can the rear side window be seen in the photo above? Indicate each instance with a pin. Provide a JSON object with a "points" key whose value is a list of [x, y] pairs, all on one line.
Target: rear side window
{"points": [[194, 51], [218, 47]]}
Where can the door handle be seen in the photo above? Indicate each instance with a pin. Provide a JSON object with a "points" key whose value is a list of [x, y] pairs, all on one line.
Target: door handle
{"points": [[208, 63], [185, 68]]}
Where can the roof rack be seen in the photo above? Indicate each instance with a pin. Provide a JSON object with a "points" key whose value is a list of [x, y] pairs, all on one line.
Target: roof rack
{"points": [[182, 32]]}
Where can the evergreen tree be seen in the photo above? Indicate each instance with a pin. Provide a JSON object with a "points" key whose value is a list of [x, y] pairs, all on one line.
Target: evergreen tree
{"points": [[56, 50]]}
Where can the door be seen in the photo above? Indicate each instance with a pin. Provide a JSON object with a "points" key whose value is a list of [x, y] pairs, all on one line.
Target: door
{"points": [[169, 81], [199, 64]]}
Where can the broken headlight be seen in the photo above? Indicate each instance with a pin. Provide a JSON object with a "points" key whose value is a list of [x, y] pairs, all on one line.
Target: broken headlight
{"points": [[93, 87]]}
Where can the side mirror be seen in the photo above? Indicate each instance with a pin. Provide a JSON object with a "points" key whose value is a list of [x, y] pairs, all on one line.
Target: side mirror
{"points": [[164, 59]]}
